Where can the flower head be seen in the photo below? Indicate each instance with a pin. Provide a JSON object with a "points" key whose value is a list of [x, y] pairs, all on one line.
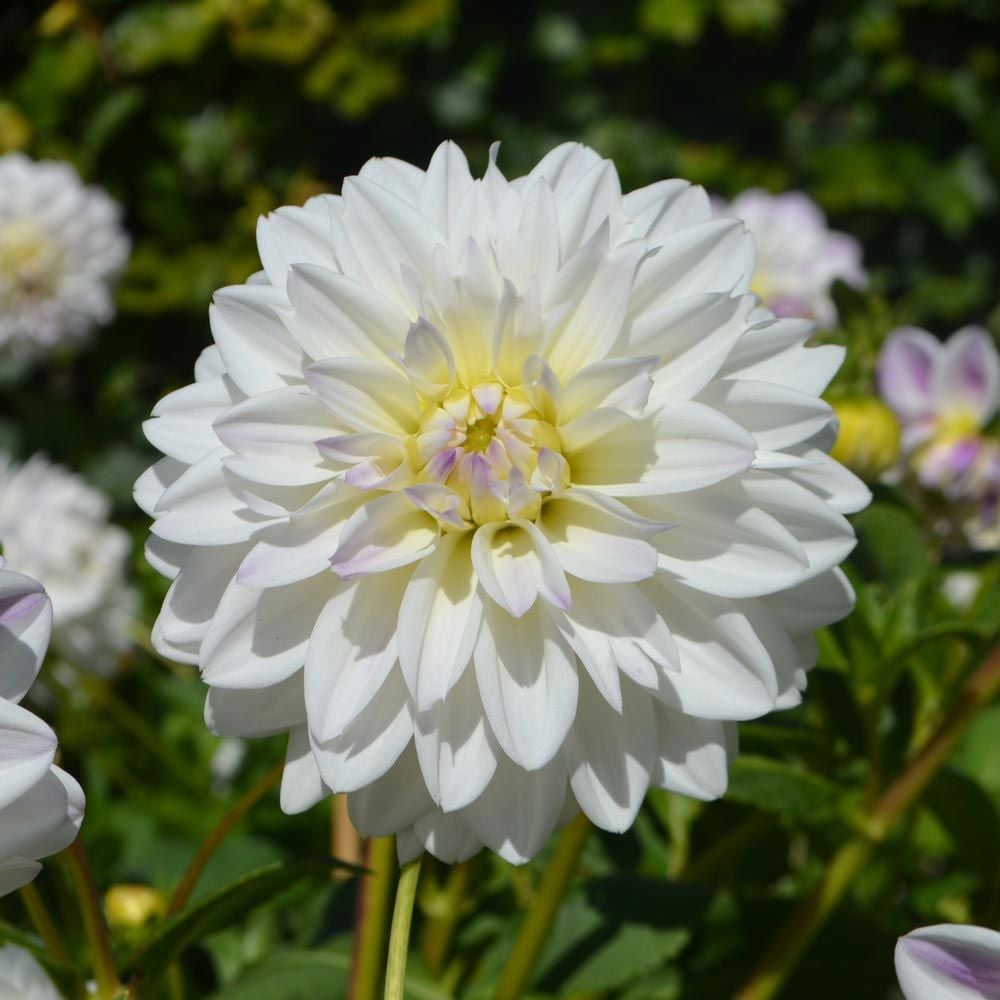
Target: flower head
{"points": [[61, 246], [40, 805], [503, 498], [945, 395], [798, 256], [54, 527], [949, 962]]}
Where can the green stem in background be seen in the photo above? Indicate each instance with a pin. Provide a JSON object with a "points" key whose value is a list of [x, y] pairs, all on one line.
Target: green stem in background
{"points": [[211, 843], [43, 922], [812, 913], [399, 938], [541, 916], [442, 908], [370, 920], [728, 847], [94, 925]]}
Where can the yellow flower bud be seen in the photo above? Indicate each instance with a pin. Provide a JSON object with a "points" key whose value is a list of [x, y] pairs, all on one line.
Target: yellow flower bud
{"points": [[129, 906], [868, 439], [15, 129]]}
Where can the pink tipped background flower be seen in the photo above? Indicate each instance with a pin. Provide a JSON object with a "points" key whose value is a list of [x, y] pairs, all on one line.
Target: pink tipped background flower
{"points": [[945, 395], [798, 256], [61, 248], [949, 962], [40, 805], [503, 498]]}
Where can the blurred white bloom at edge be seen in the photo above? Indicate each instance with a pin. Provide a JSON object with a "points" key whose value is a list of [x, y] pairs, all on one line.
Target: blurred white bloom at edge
{"points": [[22, 978], [949, 962], [503, 498], [41, 806], [798, 256], [54, 527], [61, 248]]}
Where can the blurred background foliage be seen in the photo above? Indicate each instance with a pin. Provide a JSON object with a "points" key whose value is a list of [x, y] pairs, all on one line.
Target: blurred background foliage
{"points": [[199, 115]]}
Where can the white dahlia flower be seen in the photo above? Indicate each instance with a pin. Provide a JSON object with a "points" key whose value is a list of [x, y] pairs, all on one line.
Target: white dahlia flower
{"points": [[503, 498], [798, 256], [61, 247], [54, 527], [40, 805]]}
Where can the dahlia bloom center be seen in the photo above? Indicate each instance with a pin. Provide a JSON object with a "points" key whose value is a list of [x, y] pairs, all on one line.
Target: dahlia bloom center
{"points": [[28, 261]]}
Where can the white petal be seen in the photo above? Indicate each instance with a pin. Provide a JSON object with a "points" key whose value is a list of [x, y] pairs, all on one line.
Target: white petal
{"points": [[258, 351], [681, 446], [259, 638], [447, 837], [609, 756], [383, 534], [528, 684], [456, 747], [396, 801], [181, 424], [599, 539], [301, 783], [335, 316], [351, 651], [371, 744], [623, 383], [259, 712], [519, 810], [293, 235], [515, 563], [725, 670], [439, 620], [366, 395], [949, 962], [27, 750], [25, 627], [693, 755]]}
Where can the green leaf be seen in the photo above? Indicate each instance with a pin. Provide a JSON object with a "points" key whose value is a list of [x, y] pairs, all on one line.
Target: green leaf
{"points": [[892, 545], [779, 787], [221, 909]]}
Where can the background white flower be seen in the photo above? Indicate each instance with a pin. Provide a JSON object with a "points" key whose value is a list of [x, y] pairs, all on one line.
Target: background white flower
{"points": [[54, 527], [22, 978], [798, 256], [61, 246], [504, 499], [949, 962], [41, 806]]}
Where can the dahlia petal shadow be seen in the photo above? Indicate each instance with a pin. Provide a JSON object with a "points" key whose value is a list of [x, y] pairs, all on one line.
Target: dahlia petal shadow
{"points": [[27, 752], [25, 626], [259, 712], [949, 962], [446, 836], [302, 784], [393, 802], [44, 820]]}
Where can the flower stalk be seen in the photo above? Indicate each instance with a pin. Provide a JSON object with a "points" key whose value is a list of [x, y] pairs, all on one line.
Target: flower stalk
{"points": [[371, 918], [844, 867], [94, 925], [211, 843], [42, 921], [399, 937], [541, 916]]}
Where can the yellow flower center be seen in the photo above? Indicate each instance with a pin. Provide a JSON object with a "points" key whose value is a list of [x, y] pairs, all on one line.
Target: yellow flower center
{"points": [[492, 448]]}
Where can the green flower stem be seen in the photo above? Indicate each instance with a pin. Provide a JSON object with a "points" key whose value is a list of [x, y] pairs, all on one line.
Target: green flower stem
{"points": [[541, 916], [442, 907], [370, 921], [94, 925], [399, 937], [211, 843], [793, 939], [43, 922]]}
